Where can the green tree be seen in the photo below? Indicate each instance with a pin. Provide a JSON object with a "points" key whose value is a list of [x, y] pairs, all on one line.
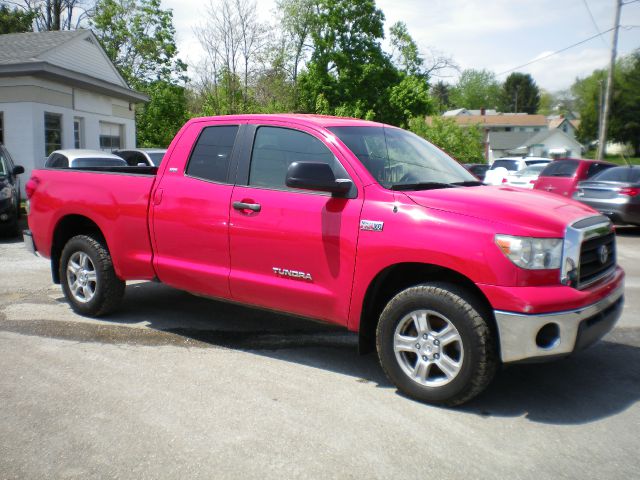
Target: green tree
{"points": [[347, 65], [160, 119], [519, 94], [405, 51], [440, 93], [476, 89], [15, 20], [462, 143], [139, 38]]}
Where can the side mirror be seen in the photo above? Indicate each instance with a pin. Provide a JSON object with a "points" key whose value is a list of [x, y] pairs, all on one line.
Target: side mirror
{"points": [[18, 169], [316, 176]]}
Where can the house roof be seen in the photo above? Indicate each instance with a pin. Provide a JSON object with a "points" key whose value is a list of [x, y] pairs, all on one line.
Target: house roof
{"points": [[508, 140], [540, 137], [503, 120], [39, 54]]}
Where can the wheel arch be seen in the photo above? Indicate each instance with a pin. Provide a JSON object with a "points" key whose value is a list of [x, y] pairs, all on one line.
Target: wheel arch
{"points": [[395, 278], [67, 227]]}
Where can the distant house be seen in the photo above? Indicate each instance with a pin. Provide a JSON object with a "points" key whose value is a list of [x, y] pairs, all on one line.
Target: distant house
{"points": [[570, 127], [60, 90], [551, 143], [502, 131]]}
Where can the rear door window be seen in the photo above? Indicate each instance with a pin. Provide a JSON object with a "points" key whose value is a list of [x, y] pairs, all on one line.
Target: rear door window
{"points": [[564, 168], [619, 174], [211, 155], [596, 168]]}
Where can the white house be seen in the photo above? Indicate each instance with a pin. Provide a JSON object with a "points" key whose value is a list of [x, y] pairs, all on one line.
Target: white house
{"points": [[551, 143], [60, 90]]}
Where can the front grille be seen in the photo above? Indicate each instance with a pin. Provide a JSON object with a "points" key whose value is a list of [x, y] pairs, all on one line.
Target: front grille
{"points": [[591, 255]]}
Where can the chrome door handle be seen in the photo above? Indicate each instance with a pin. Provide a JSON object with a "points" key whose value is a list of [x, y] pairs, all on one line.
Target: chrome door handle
{"points": [[254, 207]]}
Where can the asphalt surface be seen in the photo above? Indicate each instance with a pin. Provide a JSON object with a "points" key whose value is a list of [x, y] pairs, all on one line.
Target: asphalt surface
{"points": [[176, 386]]}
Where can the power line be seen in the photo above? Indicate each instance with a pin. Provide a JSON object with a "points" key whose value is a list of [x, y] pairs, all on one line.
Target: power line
{"points": [[555, 53], [593, 20]]}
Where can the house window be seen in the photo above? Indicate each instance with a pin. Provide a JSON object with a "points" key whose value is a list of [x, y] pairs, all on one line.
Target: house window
{"points": [[52, 133], [78, 133], [110, 136]]}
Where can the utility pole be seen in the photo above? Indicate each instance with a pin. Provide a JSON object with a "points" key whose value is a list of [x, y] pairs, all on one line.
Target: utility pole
{"points": [[602, 140]]}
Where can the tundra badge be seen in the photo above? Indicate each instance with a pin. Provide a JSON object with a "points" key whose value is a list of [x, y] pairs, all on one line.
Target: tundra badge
{"points": [[371, 225], [283, 272]]}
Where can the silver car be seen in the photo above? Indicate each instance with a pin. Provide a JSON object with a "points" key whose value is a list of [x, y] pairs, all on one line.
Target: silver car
{"points": [[615, 192], [142, 156], [76, 158]]}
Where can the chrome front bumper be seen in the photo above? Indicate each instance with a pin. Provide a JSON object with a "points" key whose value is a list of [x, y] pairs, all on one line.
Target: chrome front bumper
{"points": [[524, 337]]}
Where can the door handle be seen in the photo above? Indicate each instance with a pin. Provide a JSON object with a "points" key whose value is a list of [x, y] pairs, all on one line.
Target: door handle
{"points": [[254, 207]]}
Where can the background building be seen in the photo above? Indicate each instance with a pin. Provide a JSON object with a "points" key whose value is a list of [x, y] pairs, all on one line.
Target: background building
{"points": [[59, 90]]}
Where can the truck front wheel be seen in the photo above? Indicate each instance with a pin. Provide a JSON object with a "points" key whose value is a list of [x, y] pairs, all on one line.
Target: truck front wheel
{"points": [[88, 279], [435, 346]]}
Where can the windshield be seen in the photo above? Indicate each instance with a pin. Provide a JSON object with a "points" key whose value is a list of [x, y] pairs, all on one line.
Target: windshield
{"points": [[511, 165], [156, 158], [396, 157]]}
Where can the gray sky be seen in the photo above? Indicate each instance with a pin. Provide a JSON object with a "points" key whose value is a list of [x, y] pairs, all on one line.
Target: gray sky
{"points": [[494, 34]]}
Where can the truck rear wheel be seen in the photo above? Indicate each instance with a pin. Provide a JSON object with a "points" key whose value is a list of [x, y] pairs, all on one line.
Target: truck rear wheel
{"points": [[435, 346], [88, 279]]}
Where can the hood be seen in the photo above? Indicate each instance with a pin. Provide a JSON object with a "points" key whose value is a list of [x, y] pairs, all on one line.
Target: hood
{"points": [[520, 211]]}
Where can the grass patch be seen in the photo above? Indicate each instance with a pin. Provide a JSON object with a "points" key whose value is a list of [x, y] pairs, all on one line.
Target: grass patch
{"points": [[619, 159]]}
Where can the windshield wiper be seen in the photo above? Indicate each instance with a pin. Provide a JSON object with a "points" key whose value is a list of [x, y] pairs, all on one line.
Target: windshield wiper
{"points": [[468, 183], [423, 186]]}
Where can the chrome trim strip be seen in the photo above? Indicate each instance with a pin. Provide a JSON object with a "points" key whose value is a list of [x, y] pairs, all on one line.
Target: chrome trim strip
{"points": [[517, 331]]}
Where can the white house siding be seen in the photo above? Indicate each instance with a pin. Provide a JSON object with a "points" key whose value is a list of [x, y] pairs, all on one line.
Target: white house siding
{"points": [[557, 141], [23, 121], [81, 55]]}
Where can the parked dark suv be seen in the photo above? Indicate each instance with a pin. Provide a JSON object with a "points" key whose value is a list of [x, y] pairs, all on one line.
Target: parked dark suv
{"points": [[9, 193]]}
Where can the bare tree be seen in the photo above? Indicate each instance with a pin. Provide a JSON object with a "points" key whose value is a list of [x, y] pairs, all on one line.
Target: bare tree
{"points": [[57, 14]]}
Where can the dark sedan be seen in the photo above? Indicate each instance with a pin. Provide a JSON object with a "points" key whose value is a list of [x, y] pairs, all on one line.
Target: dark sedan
{"points": [[478, 169], [9, 193], [615, 192]]}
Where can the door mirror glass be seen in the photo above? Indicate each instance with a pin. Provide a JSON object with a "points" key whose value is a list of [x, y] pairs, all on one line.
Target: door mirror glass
{"points": [[316, 176]]}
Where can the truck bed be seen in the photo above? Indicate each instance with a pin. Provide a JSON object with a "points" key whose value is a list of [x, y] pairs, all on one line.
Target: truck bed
{"points": [[116, 199]]}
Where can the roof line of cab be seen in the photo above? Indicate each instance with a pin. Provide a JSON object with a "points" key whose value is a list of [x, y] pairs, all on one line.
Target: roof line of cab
{"points": [[299, 118]]}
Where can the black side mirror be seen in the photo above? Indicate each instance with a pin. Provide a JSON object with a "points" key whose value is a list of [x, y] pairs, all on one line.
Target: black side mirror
{"points": [[18, 169], [316, 176]]}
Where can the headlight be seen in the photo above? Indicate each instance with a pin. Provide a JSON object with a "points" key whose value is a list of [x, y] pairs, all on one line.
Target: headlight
{"points": [[5, 193], [531, 253]]}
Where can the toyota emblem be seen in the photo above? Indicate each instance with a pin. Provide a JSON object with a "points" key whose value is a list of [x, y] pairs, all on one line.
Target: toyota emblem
{"points": [[603, 254]]}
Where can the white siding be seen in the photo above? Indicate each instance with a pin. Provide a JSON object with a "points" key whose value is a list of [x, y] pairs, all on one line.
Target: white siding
{"points": [[80, 55]]}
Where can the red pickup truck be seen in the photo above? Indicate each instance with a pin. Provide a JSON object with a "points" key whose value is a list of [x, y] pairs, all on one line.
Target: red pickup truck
{"points": [[346, 221]]}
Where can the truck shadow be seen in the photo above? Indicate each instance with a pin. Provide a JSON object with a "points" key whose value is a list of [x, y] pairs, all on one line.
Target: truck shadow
{"points": [[595, 384]]}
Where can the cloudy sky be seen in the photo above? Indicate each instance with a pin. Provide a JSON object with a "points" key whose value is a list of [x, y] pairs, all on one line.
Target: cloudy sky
{"points": [[498, 35]]}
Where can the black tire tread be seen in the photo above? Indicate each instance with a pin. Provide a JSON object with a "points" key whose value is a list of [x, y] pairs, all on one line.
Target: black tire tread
{"points": [[489, 363], [112, 287]]}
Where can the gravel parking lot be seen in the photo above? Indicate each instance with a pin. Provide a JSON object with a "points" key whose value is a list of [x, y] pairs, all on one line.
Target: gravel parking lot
{"points": [[176, 386]]}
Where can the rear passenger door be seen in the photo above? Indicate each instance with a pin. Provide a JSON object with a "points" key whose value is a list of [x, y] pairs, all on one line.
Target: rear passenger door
{"points": [[292, 250], [190, 209]]}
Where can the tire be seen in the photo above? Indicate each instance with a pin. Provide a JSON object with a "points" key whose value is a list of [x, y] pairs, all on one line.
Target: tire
{"points": [[88, 279], [435, 346]]}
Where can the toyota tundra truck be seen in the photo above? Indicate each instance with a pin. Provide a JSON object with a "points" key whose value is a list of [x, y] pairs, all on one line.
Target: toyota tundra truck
{"points": [[351, 222]]}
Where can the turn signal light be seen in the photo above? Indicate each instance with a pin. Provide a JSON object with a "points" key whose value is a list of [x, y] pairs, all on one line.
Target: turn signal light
{"points": [[630, 191]]}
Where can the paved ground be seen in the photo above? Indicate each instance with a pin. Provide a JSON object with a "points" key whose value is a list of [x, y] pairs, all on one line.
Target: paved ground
{"points": [[181, 387]]}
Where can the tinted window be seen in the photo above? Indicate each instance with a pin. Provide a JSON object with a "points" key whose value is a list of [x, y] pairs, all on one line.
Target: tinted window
{"points": [[563, 168], [211, 155], [156, 158], [596, 168], [619, 174], [511, 165], [536, 162], [57, 161], [274, 149]]}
